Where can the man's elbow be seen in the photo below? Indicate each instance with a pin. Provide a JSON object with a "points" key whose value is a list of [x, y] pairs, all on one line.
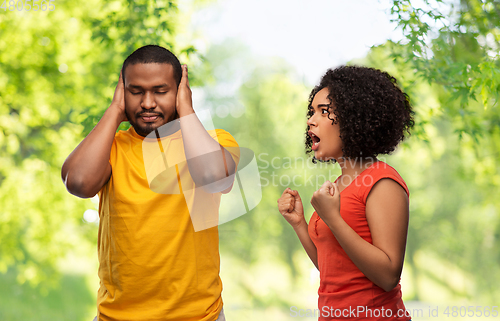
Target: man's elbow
{"points": [[213, 183], [79, 187]]}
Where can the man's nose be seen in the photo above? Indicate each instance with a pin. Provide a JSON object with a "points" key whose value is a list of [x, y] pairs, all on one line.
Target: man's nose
{"points": [[148, 101]]}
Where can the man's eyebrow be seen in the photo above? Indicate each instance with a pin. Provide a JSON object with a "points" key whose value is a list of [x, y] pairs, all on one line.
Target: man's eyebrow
{"points": [[140, 87], [323, 105], [161, 86]]}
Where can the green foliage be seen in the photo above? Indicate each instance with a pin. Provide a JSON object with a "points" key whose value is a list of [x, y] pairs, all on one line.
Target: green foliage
{"points": [[456, 47], [70, 300]]}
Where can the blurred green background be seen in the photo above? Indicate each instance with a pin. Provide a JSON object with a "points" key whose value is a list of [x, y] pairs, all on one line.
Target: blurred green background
{"points": [[58, 70]]}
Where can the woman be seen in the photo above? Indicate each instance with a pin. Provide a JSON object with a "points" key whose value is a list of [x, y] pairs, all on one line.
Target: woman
{"points": [[357, 234]]}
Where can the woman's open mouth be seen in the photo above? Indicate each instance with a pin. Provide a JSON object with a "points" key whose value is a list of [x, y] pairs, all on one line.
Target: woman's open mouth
{"points": [[315, 140]]}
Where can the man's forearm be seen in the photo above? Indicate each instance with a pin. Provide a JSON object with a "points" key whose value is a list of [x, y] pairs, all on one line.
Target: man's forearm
{"points": [[208, 161]]}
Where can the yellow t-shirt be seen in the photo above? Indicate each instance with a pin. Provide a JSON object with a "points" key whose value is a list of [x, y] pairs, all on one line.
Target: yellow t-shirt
{"points": [[152, 264]]}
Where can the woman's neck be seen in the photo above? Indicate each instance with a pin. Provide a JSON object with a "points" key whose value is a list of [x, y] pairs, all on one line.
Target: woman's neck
{"points": [[354, 166]]}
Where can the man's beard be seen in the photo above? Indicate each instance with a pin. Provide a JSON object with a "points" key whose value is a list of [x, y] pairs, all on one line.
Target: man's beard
{"points": [[143, 130]]}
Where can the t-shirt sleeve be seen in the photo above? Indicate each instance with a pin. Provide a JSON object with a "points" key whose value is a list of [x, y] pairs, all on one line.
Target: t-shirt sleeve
{"points": [[112, 161], [379, 172], [227, 141]]}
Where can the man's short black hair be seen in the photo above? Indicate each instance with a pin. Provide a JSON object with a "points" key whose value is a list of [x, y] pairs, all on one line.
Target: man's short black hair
{"points": [[153, 54]]}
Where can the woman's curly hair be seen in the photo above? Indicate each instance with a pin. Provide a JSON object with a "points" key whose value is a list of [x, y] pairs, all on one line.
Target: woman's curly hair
{"points": [[373, 113]]}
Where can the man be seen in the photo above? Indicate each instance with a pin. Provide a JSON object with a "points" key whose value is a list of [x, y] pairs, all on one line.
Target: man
{"points": [[153, 264]]}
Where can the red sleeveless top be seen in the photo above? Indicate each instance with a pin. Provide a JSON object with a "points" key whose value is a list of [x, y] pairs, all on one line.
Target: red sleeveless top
{"points": [[345, 293]]}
